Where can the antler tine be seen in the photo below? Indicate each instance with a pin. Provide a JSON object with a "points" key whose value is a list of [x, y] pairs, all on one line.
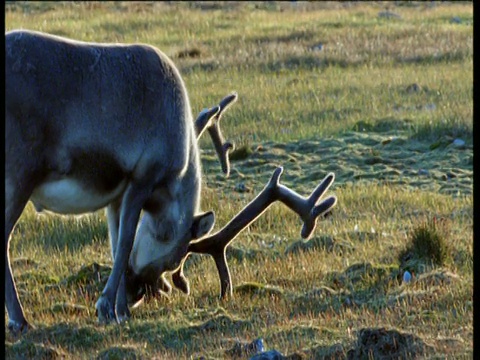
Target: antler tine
{"points": [[216, 244], [221, 146], [203, 119], [227, 101], [306, 208], [210, 119]]}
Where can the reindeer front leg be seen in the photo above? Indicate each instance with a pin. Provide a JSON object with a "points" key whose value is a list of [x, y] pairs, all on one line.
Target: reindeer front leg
{"points": [[132, 203], [113, 219]]}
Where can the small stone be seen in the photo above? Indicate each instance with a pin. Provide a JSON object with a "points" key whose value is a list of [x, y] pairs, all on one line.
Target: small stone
{"points": [[458, 143], [258, 345]]}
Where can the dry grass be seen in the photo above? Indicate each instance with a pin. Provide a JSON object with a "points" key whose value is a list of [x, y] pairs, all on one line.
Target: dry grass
{"points": [[348, 108]]}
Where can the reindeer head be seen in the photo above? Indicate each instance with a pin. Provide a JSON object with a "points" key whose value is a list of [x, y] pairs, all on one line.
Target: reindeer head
{"points": [[159, 249], [198, 240]]}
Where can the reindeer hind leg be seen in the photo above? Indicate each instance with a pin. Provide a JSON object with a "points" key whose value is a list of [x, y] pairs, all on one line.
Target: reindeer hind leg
{"points": [[16, 199]]}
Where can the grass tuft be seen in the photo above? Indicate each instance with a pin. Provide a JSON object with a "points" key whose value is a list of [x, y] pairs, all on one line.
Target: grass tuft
{"points": [[429, 241]]}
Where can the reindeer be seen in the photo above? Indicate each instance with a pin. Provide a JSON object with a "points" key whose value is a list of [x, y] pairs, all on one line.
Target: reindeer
{"points": [[92, 126]]}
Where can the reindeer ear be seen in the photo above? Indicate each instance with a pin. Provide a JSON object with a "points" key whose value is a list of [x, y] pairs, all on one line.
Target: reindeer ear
{"points": [[202, 224]]}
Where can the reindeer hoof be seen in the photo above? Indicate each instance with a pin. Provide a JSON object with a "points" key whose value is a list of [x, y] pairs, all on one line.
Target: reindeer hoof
{"points": [[123, 318], [123, 314], [105, 311], [17, 328]]}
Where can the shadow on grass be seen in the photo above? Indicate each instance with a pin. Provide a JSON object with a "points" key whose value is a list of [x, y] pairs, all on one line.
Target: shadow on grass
{"points": [[48, 342], [309, 62], [432, 59], [294, 36]]}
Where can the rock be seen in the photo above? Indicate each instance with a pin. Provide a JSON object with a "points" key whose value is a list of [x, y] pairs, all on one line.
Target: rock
{"points": [[458, 143], [268, 355], [407, 277]]}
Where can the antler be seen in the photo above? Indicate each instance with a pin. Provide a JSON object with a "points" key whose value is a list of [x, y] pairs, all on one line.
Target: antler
{"points": [[216, 244], [210, 119]]}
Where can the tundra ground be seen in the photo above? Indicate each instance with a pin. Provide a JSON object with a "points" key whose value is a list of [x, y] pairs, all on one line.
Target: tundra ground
{"points": [[381, 97]]}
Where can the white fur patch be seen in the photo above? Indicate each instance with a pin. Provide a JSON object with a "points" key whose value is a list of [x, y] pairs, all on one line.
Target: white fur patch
{"points": [[69, 196], [148, 250]]}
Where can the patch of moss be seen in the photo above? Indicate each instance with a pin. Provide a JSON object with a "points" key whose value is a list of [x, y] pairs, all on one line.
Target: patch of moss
{"points": [[241, 153], [74, 309], [37, 277], [26, 349], [258, 289], [89, 273], [384, 343], [243, 254], [366, 281]]}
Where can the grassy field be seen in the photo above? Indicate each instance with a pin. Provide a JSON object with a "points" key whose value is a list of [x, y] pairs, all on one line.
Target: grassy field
{"points": [[381, 97]]}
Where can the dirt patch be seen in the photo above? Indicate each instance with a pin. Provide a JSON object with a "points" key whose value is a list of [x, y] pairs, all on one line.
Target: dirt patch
{"points": [[380, 343]]}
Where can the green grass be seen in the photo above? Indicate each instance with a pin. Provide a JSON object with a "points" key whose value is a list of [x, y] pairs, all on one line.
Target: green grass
{"points": [[348, 108]]}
